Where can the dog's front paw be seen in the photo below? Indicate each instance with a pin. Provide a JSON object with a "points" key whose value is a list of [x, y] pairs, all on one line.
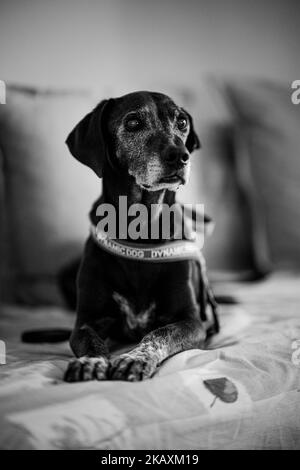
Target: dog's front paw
{"points": [[131, 367], [86, 368]]}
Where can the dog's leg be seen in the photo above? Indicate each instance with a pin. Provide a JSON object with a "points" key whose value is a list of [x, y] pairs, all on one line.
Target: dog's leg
{"points": [[92, 354], [93, 323], [142, 361]]}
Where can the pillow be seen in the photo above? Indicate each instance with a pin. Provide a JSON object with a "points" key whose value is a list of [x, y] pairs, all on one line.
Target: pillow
{"points": [[268, 153], [214, 181], [47, 193]]}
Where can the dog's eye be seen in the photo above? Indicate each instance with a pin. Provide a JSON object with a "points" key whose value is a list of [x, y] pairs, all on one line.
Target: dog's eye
{"points": [[133, 124], [182, 123]]}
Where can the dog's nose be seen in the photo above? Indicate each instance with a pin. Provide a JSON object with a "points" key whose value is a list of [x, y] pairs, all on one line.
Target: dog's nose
{"points": [[177, 156]]}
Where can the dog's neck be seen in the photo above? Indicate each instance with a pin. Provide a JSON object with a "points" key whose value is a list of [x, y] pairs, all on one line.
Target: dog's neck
{"points": [[116, 184], [119, 185]]}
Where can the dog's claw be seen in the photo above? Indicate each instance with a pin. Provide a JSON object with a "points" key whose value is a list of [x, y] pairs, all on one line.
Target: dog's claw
{"points": [[131, 368], [87, 368]]}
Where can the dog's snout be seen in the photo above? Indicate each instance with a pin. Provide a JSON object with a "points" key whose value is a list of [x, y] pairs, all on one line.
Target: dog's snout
{"points": [[177, 156]]}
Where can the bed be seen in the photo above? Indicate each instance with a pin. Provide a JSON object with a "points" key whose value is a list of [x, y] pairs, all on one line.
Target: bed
{"points": [[241, 393]]}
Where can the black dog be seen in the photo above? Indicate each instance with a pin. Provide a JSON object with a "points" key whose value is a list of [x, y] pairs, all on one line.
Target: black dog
{"points": [[140, 145]]}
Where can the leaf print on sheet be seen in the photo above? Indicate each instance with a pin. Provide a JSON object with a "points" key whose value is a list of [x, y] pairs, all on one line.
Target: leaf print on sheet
{"points": [[223, 389]]}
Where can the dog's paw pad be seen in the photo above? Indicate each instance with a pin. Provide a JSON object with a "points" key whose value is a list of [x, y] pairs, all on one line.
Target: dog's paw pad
{"points": [[86, 368]]}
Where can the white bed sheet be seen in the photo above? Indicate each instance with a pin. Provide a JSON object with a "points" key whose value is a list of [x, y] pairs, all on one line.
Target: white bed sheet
{"points": [[243, 393]]}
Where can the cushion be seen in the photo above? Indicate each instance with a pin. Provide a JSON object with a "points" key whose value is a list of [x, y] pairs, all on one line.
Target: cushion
{"points": [[48, 193], [268, 151], [214, 182]]}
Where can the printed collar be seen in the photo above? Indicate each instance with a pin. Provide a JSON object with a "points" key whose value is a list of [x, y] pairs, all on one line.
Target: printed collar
{"points": [[176, 250]]}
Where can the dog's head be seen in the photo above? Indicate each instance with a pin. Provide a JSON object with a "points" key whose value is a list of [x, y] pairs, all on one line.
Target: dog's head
{"points": [[143, 133]]}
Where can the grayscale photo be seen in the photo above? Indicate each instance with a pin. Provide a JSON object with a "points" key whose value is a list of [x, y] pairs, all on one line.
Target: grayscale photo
{"points": [[149, 228]]}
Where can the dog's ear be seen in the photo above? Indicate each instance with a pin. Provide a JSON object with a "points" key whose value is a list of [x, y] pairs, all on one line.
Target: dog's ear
{"points": [[192, 142], [87, 141]]}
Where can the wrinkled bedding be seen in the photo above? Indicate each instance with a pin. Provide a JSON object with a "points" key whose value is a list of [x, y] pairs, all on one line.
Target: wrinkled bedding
{"points": [[241, 393]]}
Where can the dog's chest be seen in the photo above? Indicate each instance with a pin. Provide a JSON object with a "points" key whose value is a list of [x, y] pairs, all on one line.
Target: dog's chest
{"points": [[136, 319]]}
